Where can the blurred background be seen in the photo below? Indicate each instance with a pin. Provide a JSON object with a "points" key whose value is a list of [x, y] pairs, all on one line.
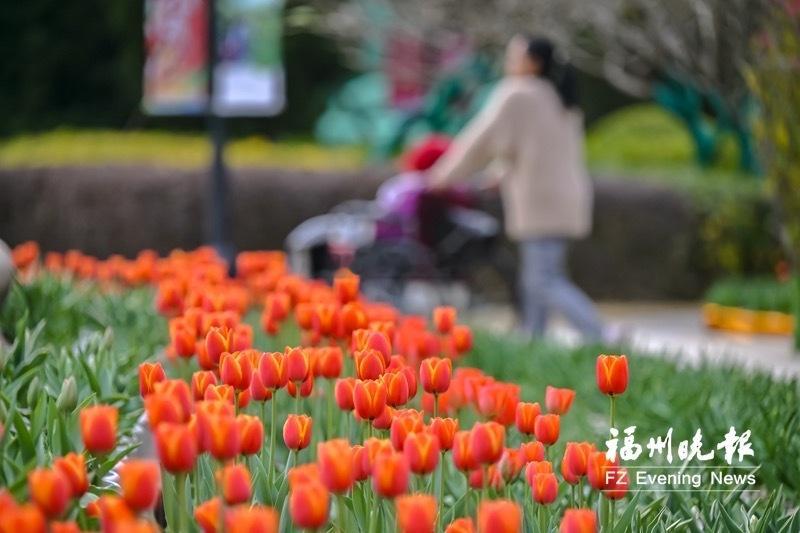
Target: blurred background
{"points": [[256, 124]]}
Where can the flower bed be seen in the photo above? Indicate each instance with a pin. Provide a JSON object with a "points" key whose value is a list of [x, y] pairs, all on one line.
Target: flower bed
{"points": [[364, 429], [750, 306]]}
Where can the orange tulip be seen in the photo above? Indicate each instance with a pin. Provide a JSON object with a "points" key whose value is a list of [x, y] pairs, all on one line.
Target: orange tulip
{"points": [[220, 393], [422, 451], [304, 389], [218, 341], [558, 401], [73, 466], [243, 519], [463, 457], [345, 285], [369, 364], [579, 521], [50, 490], [307, 473], [297, 432], [221, 436], [404, 423], [297, 364], [335, 460], [416, 513], [207, 515], [161, 408], [329, 362], [435, 374], [179, 391], [234, 481], [149, 375], [99, 428], [396, 388], [371, 339], [374, 447], [574, 463], [461, 338], [141, 482], [272, 368], [525, 417], [390, 473], [498, 401], [445, 430], [487, 441], [177, 447], [537, 467], [444, 318], [201, 380], [544, 488], [612, 374], [511, 464], [251, 434], [532, 451], [499, 516], [308, 505], [385, 420], [25, 518], [618, 481], [599, 470], [547, 428], [258, 391], [461, 525], [235, 369], [360, 472], [343, 392], [369, 399], [182, 337]]}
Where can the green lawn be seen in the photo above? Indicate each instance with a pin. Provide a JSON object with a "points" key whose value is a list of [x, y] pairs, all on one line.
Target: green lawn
{"points": [[181, 150]]}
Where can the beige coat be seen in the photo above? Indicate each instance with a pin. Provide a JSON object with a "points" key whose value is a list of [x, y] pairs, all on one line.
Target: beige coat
{"points": [[545, 187]]}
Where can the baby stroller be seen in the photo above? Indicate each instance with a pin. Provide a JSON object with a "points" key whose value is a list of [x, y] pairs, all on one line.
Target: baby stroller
{"points": [[412, 247]]}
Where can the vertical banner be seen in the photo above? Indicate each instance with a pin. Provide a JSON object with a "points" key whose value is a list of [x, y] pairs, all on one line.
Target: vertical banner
{"points": [[248, 76], [176, 64]]}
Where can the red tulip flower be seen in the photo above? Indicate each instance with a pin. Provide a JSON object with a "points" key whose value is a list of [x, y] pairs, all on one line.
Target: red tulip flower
{"points": [[445, 430], [50, 490], [201, 380], [297, 432], [499, 516], [343, 393], [403, 424], [99, 428], [444, 319], [463, 457], [298, 365], [558, 401], [273, 370], [335, 461], [235, 369], [234, 480], [487, 441], [369, 399], [251, 434], [141, 482], [579, 521], [73, 466], [547, 428], [435, 374], [308, 505], [525, 417], [422, 451], [544, 488], [177, 447], [416, 513], [149, 375], [390, 474], [612, 374]]}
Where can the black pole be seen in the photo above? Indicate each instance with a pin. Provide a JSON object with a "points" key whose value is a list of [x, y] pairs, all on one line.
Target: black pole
{"points": [[219, 231]]}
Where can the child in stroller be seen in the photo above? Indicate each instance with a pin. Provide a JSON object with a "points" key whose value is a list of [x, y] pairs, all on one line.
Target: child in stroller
{"points": [[408, 233]]}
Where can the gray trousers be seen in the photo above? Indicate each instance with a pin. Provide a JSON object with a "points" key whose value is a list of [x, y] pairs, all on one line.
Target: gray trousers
{"points": [[546, 288]]}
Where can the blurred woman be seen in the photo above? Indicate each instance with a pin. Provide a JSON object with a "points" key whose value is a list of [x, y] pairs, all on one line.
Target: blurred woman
{"points": [[533, 128]]}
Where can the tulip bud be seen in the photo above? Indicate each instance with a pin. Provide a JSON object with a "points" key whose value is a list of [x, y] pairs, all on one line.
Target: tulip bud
{"points": [[68, 397], [396, 388], [343, 391], [579, 521], [235, 370], [422, 451], [390, 474], [435, 374], [297, 364], [50, 490], [141, 484], [369, 399], [499, 516], [234, 479], [73, 466], [487, 441], [547, 428], [149, 375], [99, 428], [251, 434], [416, 513], [335, 461], [462, 452], [308, 505], [444, 429], [544, 488], [558, 401], [297, 432], [177, 447], [574, 463], [612, 374]]}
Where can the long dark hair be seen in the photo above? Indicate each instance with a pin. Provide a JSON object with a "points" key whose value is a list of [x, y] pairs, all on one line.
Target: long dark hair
{"points": [[561, 75]]}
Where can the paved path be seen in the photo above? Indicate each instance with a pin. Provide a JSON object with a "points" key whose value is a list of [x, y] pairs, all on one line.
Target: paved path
{"points": [[675, 330]]}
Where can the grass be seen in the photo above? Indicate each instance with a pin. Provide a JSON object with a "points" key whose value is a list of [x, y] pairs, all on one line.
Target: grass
{"points": [[645, 142], [179, 150]]}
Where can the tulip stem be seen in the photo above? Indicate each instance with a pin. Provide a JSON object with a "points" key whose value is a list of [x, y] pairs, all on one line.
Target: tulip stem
{"points": [[329, 418], [271, 471], [373, 517], [340, 515], [542, 520], [297, 400], [613, 401], [580, 492], [572, 496], [611, 514], [180, 490], [439, 486], [435, 405]]}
